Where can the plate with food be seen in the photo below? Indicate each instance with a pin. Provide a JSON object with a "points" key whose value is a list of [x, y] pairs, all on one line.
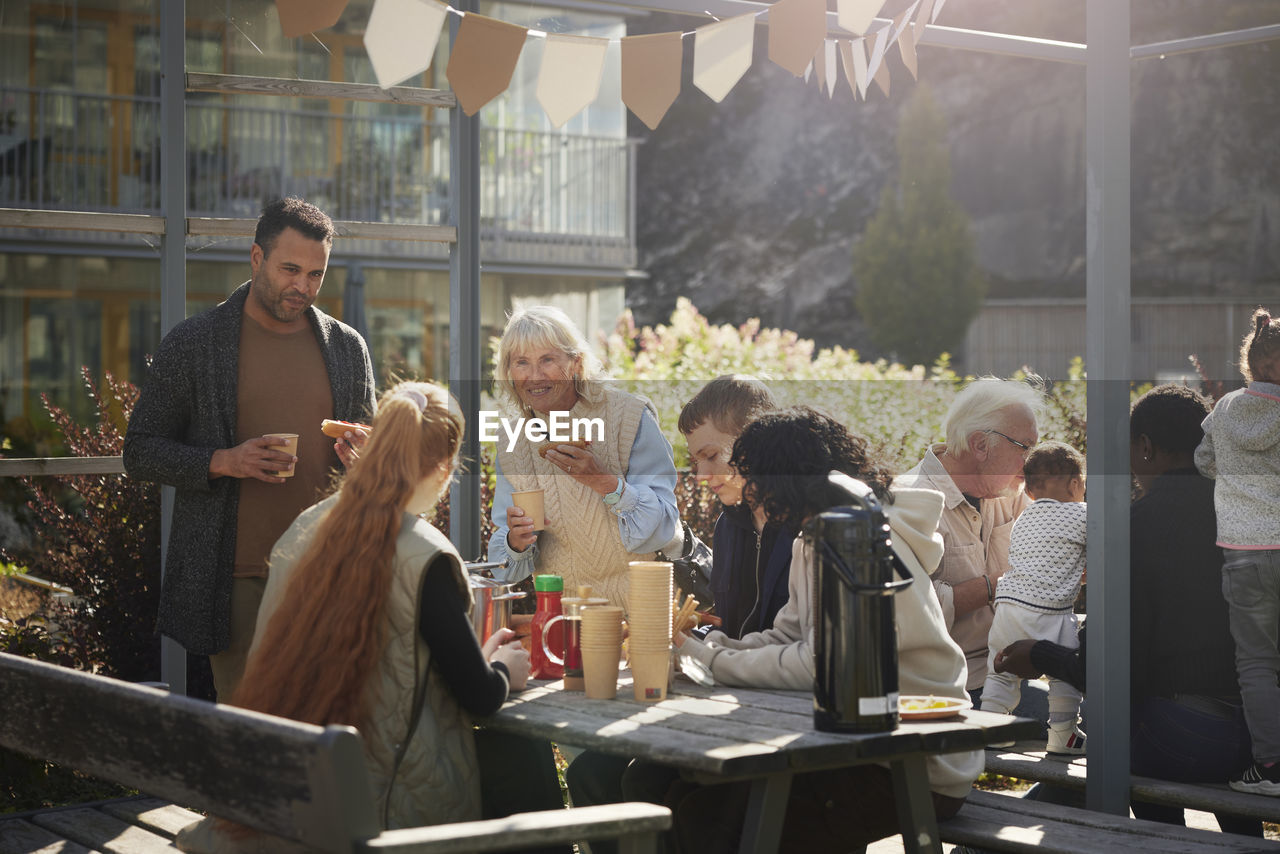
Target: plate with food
{"points": [[913, 707]]}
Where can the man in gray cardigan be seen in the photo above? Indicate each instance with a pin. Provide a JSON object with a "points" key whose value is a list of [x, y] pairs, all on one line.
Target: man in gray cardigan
{"points": [[220, 381]]}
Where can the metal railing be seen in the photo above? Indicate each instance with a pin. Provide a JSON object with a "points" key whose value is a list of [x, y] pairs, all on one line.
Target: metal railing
{"points": [[93, 152]]}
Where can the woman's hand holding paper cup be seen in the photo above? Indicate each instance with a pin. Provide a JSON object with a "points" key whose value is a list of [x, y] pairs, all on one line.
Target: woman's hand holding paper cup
{"points": [[522, 528]]}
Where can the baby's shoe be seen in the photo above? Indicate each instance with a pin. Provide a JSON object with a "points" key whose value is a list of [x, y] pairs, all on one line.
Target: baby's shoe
{"points": [[1068, 741]]}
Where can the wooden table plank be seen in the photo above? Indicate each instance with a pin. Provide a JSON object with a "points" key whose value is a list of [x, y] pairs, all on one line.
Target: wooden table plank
{"points": [[732, 731], [19, 836]]}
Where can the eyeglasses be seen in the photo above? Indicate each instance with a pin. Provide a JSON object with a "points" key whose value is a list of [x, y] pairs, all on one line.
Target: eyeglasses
{"points": [[1025, 448]]}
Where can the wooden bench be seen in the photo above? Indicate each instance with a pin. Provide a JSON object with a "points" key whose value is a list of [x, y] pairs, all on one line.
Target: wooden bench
{"points": [[301, 782], [1029, 761], [996, 822]]}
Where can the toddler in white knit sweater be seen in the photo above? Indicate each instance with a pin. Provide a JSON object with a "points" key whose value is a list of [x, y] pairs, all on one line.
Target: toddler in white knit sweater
{"points": [[1036, 596]]}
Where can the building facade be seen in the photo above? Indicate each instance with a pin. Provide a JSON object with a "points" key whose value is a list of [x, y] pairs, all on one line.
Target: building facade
{"points": [[80, 131]]}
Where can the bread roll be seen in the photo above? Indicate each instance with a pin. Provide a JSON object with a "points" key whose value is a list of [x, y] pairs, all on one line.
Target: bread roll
{"points": [[546, 446], [335, 429]]}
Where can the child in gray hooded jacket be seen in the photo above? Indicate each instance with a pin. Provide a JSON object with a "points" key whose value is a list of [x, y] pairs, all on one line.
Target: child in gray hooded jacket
{"points": [[1241, 451]]}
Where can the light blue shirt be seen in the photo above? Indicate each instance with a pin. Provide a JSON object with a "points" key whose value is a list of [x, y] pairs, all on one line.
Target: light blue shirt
{"points": [[648, 518]]}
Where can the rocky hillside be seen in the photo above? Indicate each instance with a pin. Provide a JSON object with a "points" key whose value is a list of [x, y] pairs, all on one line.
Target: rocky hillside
{"points": [[752, 207]]}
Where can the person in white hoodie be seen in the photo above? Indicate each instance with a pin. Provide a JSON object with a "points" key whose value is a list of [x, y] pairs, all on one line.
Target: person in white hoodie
{"points": [[1241, 452], [786, 459]]}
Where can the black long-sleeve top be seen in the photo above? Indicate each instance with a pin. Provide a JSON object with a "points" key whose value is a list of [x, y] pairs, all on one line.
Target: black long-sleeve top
{"points": [[1180, 640], [444, 624]]}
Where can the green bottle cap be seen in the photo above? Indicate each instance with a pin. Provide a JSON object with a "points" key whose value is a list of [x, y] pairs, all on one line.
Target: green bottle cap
{"points": [[548, 584]]}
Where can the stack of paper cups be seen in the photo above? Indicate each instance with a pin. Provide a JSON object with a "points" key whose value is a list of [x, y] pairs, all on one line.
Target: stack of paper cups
{"points": [[601, 645], [649, 617]]}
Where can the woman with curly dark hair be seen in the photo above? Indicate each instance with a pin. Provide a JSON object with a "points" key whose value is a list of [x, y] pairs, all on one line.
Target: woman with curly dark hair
{"points": [[798, 462], [785, 458]]}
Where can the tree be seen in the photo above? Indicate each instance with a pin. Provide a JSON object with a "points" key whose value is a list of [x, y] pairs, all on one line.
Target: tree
{"points": [[918, 284]]}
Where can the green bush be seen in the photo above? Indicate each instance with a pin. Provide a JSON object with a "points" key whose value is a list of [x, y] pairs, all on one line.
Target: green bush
{"points": [[99, 535], [899, 409]]}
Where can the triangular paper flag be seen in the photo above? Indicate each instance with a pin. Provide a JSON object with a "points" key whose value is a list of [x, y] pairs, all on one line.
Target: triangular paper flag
{"points": [[570, 75], [877, 51], [832, 75], [484, 56], [808, 72], [907, 47], [895, 29], [846, 59], [796, 31], [856, 15], [925, 16], [651, 75], [937, 7], [860, 75], [401, 37], [882, 78], [299, 17], [722, 54]]}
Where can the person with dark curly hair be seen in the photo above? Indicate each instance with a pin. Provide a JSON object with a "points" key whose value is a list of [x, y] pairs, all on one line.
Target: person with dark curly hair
{"points": [[796, 463]]}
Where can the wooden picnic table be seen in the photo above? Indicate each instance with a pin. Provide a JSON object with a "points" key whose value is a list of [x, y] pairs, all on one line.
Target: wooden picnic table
{"points": [[722, 734]]}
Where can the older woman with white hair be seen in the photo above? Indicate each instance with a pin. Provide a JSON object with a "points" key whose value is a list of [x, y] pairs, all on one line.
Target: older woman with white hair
{"points": [[605, 504]]}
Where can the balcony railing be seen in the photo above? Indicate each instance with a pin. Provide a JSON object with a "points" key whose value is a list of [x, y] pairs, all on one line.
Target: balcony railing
{"points": [[102, 153]]}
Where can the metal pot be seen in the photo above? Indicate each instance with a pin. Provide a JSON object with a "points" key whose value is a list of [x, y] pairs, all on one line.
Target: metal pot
{"points": [[490, 602]]}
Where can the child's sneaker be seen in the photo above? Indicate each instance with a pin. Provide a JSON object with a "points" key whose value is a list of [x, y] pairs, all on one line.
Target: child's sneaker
{"points": [[1069, 742], [1259, 780]]}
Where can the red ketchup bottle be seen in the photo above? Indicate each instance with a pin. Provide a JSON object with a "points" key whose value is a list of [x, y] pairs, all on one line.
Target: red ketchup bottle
{"points": [[547, 629]]}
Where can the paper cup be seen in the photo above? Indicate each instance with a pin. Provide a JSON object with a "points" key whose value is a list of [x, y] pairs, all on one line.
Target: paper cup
{"points": [[650, 672], [531, 503], [600, 672], [291, 447]]}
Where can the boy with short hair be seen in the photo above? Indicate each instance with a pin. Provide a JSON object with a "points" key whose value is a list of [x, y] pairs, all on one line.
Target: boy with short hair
{"points": [[1036, 596]]}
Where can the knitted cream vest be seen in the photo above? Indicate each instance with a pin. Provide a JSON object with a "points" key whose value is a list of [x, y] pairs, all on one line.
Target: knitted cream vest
{"points": [[583, 544], [437, 779]]}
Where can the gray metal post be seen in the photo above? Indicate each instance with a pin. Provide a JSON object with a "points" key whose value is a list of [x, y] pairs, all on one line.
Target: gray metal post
{"points": [[173, 254], [464, 312], [1107, 126]]}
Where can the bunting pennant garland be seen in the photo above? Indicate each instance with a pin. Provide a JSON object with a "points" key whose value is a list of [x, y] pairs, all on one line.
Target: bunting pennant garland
{"points": [[846, 59], [300, 17], [722, 53], [856, 15], [882, 78], [829, 62], [651, 75], [925, 17], [570, 75], [895, 29], [860, 73], [907, 47], [484, 57], [877, 52], [796, 31], [401, 37]]}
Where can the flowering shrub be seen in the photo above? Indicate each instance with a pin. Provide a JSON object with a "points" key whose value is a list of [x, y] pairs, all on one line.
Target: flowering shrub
{"points": [[899, 409], [100, 536]]}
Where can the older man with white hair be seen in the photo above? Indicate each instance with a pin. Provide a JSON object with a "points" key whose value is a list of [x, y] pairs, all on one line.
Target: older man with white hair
{"points": [[990, 428]]}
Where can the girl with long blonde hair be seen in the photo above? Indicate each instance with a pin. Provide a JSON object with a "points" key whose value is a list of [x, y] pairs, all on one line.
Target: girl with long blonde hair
{"points": [[365, 622]]}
